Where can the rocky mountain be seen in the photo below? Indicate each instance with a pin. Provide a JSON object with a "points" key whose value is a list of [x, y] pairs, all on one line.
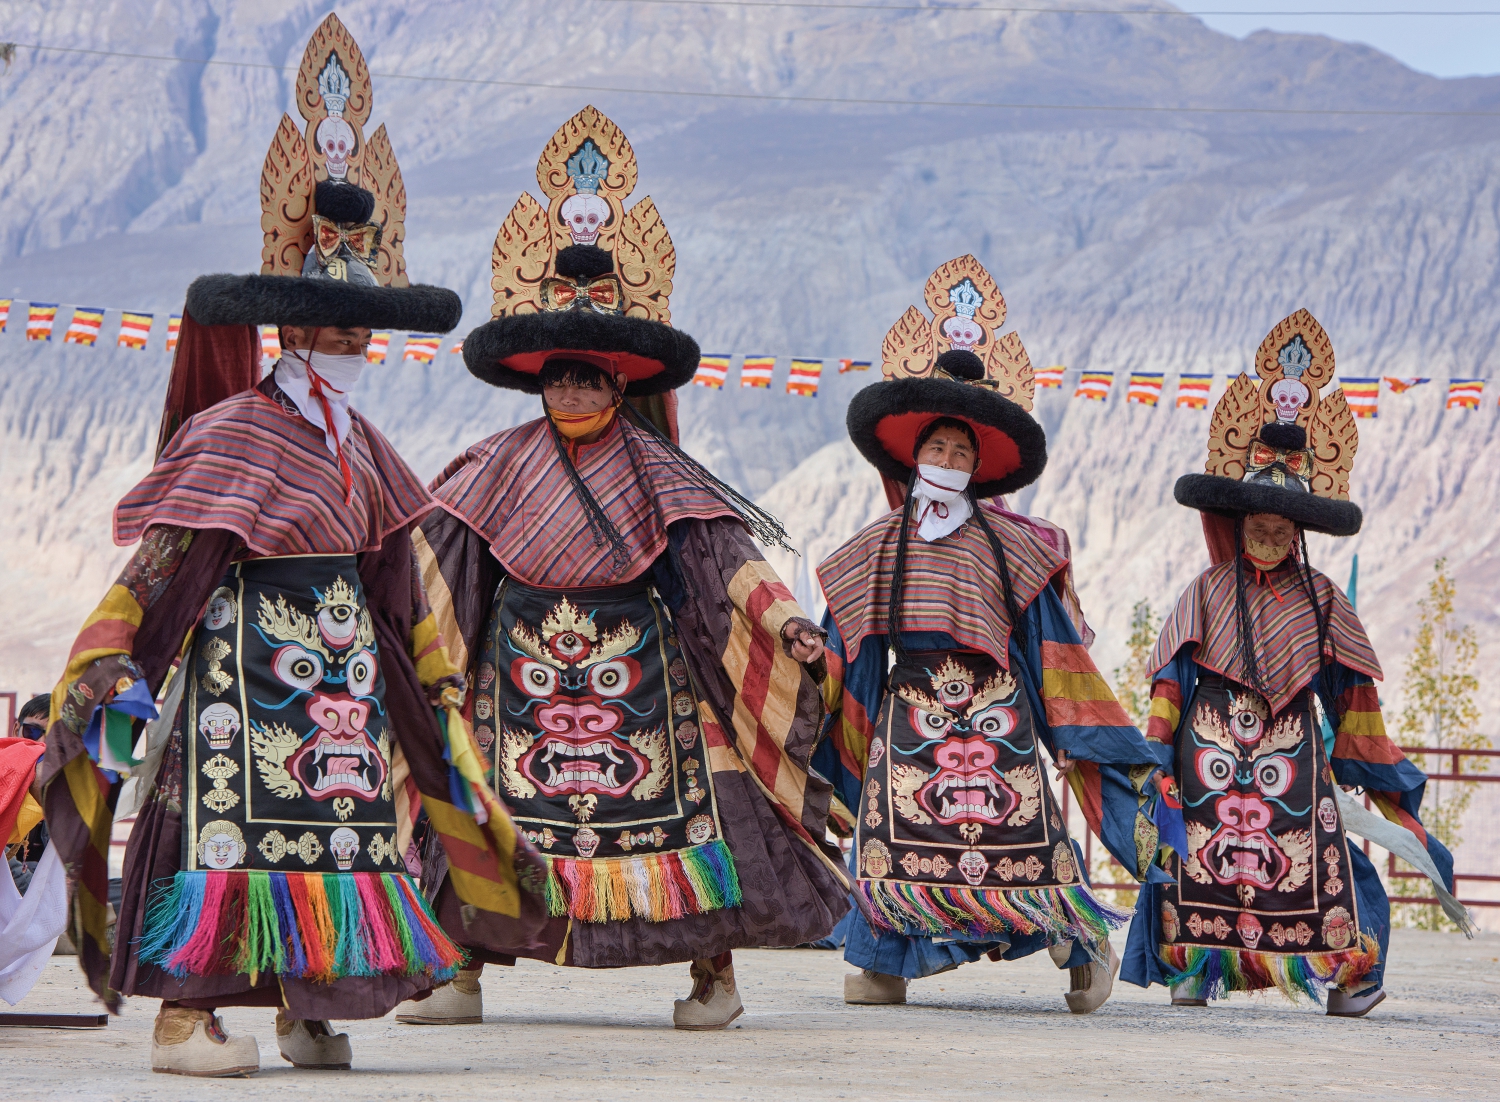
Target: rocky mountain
{"points": [[1122, 239]]}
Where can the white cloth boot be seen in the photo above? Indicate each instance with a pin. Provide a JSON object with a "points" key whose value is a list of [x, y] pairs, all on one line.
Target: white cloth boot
{"points": [[307, 1044], [193, 1042], [715, 1001], [1092, 984], [1342, 1004], [874, 989], [460, 1001]]}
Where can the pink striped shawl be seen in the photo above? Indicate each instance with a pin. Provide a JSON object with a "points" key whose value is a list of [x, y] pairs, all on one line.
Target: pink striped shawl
{"points": [[1286, 632], [513, 490], [248, 466], [952, 585]]}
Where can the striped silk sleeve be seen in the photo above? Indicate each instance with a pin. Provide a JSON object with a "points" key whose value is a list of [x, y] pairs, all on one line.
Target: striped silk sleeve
{"points": [[1166, 710]]}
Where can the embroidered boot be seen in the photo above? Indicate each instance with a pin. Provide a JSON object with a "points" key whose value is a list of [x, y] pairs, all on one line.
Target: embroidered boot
{"points": [[1344, 1004], [869, 988], [1092, 983], [715, 1001], [307, 1044], [193, 1042], [458, 1002]]}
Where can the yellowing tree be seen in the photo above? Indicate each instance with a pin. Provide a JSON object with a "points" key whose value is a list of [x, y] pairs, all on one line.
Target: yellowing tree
{"points": [[1133, 676], [1440, 711]]}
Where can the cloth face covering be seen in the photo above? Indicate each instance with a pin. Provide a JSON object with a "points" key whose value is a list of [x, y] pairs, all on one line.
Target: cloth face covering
{"points": [[941, 503], [335, 376], [1265, 556], [573, 425]]}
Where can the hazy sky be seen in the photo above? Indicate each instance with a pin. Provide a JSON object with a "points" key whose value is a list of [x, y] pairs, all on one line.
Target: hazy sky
{"points": [[1445, 45]]}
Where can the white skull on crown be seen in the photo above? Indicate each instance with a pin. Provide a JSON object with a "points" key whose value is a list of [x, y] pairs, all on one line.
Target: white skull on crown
{"points": [[585, 215], [962, 332], [335, 138]]}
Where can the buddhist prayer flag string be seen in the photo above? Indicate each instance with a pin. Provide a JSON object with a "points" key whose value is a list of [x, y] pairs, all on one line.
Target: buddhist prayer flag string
{"points": [[1402, 383], [135, 330], [1192, 391], [712, 371], [804, 377], [1095, 385], [375, 351], [1465, 393], [756, 371], [39, 319], [1363, 395], [422, 347], [270, 343], [84, 328], [1145, 388]]}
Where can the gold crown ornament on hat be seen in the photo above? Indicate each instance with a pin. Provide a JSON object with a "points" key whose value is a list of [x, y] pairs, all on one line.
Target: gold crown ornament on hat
{"points": [[967, 310], [1294, 363], [334, 98], [586, 171]]}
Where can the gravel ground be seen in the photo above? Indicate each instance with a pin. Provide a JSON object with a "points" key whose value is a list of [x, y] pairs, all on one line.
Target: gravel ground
{"points": [[986, 1030]]}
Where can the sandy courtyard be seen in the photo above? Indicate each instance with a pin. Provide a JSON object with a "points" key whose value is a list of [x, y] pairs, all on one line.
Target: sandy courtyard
{"points": [[986, 1031]]}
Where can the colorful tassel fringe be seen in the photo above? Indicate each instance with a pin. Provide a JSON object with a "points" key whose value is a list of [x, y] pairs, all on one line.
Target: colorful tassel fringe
{"points": [[1214, 973], [308, 925], [925, 910], [656, 887]]}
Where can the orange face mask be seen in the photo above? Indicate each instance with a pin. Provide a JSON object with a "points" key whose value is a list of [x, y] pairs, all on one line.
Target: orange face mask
{"points": [[573, 425]]}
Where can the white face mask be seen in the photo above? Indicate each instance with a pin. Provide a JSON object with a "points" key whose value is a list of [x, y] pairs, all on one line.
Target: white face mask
{"points": [[941, 504], [338, 375]]}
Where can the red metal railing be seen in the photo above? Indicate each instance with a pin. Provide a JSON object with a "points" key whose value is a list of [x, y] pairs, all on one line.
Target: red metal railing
{"points": [[1391, 871], [1457, 775]]}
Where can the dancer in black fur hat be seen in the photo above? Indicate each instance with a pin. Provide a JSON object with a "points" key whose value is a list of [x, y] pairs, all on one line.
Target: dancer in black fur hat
{"points": [[314, 710], [957, 653], [644, 684], [1263, 693]]}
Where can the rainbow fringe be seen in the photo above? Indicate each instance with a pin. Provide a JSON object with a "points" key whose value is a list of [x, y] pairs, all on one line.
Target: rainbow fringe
{"points": [[656, 887], [1214, 973], [308, 925], [926, 910]]}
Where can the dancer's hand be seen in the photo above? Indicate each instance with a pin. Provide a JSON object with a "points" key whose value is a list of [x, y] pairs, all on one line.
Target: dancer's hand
{"points": [[806, 643], [1064, 764]]}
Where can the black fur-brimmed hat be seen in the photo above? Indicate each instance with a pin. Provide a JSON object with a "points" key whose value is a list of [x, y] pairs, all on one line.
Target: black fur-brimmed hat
{"points": [[1281, 447], [887, 419], [510, 351], [583, 278], [954, 366], [298, 300]]}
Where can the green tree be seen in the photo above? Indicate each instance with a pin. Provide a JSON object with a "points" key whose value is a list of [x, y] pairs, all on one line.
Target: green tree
{"points": [[1440, 711], [1133, 676]]}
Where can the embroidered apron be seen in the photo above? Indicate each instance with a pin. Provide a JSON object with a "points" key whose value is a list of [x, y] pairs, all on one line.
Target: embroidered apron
{"points": [[582, 703], [956, 809], [288, 744], [1267, 867]]}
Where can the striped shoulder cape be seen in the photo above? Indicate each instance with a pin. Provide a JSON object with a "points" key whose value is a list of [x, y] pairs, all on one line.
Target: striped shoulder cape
{"points": [[951, 585], [1286, 631], [248, 466], [514, 490]]}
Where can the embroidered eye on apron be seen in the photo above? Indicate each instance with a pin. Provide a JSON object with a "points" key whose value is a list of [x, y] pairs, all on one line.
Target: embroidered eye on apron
{"points": [[288, 743], [584, 708], [958, 830], [1267, 871]]}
